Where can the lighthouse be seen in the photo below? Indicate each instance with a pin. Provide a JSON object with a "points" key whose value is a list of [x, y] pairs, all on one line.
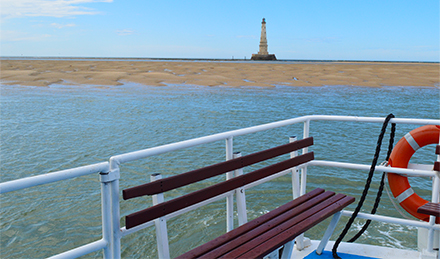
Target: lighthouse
{"points": [[263, 53]]}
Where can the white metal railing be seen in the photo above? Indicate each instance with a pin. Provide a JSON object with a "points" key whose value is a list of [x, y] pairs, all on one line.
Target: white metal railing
{"points": [[109, 178]]}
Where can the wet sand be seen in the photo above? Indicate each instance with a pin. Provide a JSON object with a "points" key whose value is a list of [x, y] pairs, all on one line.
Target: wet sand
{"points": [[234, 74]]}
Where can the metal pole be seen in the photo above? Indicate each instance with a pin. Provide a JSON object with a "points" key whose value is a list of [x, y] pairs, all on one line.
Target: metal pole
{"points": [[161, 224], [241, 197], [295, 173], [435, 199], [116, 228], [230, 198], [111, 210], [106, 216], [305, 150], [431, 231], [296, 192], [112, 177]]}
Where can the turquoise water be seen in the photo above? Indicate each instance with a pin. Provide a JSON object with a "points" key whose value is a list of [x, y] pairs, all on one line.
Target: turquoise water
{"points": [[329, 255], [49, 129]]}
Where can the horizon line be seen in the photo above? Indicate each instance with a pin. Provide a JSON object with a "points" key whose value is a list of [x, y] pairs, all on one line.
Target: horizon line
{"points": [[203, 59]]}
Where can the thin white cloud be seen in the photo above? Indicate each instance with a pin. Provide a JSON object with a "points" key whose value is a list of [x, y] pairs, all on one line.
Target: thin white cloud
{"points": [[60, 26], [49, 8], [8, 36], [124, 32]]}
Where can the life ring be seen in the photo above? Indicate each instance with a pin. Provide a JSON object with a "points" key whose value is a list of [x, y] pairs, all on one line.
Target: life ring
{"points": [[400, 156]]}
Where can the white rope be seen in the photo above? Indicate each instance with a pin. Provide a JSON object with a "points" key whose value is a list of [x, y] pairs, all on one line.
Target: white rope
{"points": [[398, 208]]}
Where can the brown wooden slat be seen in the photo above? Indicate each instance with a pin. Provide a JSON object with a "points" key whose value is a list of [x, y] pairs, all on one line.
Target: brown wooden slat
{"points": [[270, 233], [437, 166], [437, 149], [430, 208], [176, 204], [227, 237], [173, 182], [288, 235], [283, 221]]}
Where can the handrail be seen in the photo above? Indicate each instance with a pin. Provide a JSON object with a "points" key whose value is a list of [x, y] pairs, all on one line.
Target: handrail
{"points": [[131, 156], [109, 172], [127, 157], [36, 180], [409, 172]]}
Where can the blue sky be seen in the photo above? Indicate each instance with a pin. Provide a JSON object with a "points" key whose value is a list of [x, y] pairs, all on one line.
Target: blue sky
{"points": [[382, 30]]}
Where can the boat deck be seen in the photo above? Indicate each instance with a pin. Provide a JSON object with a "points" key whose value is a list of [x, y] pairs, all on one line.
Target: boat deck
{"points": [[355, 251]]}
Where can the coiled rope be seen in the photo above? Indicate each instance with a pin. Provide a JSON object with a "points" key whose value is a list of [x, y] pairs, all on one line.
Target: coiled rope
{"points": [[367, 186]]}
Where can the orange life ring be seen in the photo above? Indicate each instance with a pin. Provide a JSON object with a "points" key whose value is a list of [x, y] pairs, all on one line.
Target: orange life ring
{"points": [[400, 156]]}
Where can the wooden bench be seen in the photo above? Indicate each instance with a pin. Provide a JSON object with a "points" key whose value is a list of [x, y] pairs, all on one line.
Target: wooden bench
{"points": [[260, 236]]}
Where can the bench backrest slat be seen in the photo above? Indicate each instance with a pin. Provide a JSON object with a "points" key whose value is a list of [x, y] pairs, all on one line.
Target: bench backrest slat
{"points": [[176, 204], [173, 182]]}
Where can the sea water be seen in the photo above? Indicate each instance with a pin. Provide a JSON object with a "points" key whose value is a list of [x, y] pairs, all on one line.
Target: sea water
{"points": [[46, 129]]}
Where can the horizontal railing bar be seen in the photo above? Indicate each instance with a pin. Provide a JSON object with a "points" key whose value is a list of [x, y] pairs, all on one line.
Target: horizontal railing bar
{"points": [[60, 175], [82, 250], [36, 180], [421, 167], [372, 119], [409, 172], [127, 157], [392, 220], [125, 231]]}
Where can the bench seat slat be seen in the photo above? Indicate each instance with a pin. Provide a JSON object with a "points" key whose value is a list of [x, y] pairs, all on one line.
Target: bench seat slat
{"points": [[262, 235], [173, 182], [282, 221], [227, 237], [176, 204], [289, 234]]}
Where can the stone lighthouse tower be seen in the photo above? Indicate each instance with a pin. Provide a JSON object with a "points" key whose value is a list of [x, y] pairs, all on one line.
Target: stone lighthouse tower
{"points": [[263, 54], [263, 39]]}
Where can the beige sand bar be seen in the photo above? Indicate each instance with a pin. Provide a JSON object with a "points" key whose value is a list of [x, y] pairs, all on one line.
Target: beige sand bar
{"points": [[235, 74]]}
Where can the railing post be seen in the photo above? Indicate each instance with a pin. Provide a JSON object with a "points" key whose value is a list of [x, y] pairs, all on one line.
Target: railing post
{"points": [[161, 224], [296, 192], [106, 211], [435, 199], [230, 198], [305, 150], [301, 241], [113, 179], [241, 197], [295, 173], [110, 211]]}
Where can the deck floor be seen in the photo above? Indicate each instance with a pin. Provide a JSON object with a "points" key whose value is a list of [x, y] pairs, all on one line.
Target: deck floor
{"points": [[355, 251]]}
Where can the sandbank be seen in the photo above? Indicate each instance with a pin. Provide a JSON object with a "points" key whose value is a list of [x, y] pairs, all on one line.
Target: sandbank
{"points": [[233, 74]]}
